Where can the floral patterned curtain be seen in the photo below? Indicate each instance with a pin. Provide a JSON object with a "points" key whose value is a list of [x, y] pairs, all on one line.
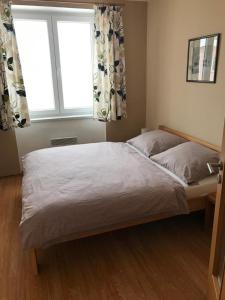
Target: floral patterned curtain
{"points": [[13, 103], [109, 64]]}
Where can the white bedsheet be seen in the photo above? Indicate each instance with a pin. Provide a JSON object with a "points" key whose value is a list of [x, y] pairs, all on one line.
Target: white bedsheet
{"points": [[202, 188]]}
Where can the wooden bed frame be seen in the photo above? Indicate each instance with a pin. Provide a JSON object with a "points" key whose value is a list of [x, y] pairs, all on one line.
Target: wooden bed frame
{"points": [[194, 204]]}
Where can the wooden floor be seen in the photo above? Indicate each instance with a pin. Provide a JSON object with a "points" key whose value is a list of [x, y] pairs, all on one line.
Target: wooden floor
{"points": [[165, 260]]}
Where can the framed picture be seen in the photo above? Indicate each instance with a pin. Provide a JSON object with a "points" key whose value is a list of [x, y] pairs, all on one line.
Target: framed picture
{"points": [[203, 58]]}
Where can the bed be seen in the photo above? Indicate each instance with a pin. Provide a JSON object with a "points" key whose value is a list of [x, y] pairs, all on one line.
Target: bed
{"points": [[78, 191]]}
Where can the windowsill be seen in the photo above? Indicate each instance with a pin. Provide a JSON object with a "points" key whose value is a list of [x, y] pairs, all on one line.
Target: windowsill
{"points": [[61, 118]]}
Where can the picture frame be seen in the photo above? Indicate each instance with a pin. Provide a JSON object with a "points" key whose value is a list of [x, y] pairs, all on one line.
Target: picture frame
{"points": [[202, 60]]}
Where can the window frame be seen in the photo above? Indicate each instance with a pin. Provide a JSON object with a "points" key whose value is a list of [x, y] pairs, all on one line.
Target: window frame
{"points": [[51, 15]]}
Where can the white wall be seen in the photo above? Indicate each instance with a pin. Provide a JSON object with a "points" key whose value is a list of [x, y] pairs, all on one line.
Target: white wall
{"points": [[39, 134], [194, 108]]}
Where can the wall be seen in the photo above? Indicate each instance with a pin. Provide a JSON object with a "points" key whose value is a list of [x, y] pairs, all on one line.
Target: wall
{"points": [[39, 134], [197, 109], [9, 163], [135, 27]]}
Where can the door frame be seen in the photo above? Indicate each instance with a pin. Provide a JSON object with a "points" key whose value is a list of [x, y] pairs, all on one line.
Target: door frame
{"points": [[215, 291]]}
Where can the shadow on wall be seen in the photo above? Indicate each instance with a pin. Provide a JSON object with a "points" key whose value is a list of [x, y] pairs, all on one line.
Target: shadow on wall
{"points": [[9, 161]]}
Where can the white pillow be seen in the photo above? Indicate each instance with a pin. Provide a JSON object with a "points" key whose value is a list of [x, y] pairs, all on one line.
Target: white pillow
{"points": [[155, 141]]}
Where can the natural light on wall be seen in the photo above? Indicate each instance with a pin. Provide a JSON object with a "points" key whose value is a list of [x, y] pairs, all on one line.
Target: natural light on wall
{"points": [[56, 58]]}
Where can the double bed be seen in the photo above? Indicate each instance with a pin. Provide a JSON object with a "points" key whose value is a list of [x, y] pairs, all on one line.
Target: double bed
{"points": [[78, 191]]}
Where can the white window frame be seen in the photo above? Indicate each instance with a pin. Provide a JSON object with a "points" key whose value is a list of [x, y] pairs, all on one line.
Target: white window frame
{"points": [[51, 16]]}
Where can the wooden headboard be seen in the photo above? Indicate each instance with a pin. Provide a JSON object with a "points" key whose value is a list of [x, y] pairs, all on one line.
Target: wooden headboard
{"points": [[190, 138]]}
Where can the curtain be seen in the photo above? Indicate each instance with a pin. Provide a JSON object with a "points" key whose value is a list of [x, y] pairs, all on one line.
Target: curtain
{"points": [[13, 102], [109, 64]]}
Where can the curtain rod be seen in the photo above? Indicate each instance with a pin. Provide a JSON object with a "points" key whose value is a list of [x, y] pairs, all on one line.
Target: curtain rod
{"points": [[64, 3]]}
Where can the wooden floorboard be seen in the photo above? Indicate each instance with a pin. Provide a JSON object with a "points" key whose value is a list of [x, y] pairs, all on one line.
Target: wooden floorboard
{"points": [[165, 260]]}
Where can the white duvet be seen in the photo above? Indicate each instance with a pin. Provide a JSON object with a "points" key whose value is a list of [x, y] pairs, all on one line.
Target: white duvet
{"points": [[73, 189]]}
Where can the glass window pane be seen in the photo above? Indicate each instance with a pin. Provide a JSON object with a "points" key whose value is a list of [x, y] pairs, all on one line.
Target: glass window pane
{"points": [[76, 63], [33, 44]]}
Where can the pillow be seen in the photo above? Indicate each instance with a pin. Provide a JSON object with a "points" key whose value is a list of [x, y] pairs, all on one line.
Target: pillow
{"points": [[188, 161], [155, 141]]}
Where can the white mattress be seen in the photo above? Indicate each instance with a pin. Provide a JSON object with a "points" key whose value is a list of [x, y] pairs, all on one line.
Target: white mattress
{"points": [[202, 188]]}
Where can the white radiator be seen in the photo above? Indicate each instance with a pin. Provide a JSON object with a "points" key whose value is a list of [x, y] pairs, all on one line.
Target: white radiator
{"points": [[64, 141]]}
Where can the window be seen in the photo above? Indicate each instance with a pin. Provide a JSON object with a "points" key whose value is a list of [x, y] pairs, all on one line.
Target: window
{"points": [[55, 47]]}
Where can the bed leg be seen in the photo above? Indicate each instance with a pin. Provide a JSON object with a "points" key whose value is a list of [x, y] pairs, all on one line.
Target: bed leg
{"points": [[34, 261]]}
